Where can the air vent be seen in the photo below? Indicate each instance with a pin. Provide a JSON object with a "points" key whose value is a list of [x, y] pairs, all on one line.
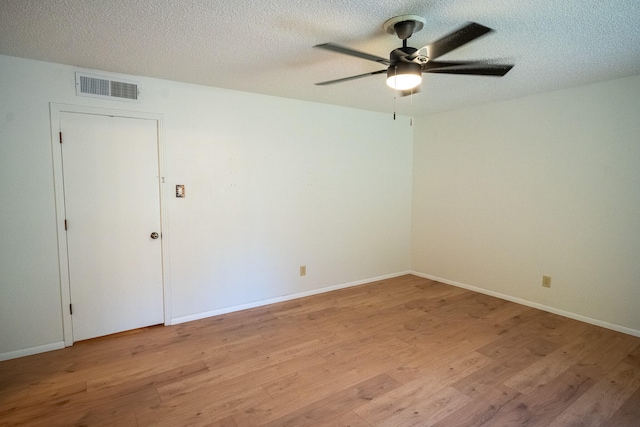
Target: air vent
{"points": [[103, 87]]}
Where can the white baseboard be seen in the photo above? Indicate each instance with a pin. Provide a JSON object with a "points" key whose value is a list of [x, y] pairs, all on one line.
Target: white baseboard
{"points": [[32, 350], [289, 297], [532, 304]]}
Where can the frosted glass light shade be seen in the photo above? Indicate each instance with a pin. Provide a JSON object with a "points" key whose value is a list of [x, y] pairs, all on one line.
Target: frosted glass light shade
{"points": [[404, 76]]}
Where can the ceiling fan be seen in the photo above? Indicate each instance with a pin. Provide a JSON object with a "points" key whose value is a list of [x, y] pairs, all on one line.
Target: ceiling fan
{"points": [[406, 64]]}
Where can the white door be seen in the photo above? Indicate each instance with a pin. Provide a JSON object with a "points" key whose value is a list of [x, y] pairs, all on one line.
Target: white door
{"points": [[112, 207]]}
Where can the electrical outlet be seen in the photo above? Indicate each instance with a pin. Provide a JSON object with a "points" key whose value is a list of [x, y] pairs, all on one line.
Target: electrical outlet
{"points": [[546, 281], [303, 270]]}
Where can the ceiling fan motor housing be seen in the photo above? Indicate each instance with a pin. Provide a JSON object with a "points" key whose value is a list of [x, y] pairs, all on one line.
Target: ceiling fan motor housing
{"points": [[401, 53], [402, 67]]}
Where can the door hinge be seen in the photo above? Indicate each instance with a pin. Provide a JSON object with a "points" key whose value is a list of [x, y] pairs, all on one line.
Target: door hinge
{"points": [[60, 137], [65, 225], [71, 309]]}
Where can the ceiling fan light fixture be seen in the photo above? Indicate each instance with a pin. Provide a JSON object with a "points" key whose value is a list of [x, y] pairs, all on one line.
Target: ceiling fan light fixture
{"points": [[404, 75]]}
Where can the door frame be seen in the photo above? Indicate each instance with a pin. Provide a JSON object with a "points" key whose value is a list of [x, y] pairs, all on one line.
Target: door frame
{"points": [[55, 111]]}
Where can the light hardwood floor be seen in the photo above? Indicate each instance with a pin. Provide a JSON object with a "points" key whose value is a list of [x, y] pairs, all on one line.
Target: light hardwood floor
{"points": [[399, 352]]}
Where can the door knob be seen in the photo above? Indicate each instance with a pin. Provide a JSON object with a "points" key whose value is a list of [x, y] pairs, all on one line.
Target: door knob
{"points": [[154, 235]]}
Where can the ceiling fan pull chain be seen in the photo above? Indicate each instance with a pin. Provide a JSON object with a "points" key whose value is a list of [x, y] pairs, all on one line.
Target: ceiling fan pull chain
{"points": [[411, 118], [394, 107], [394, 95]]}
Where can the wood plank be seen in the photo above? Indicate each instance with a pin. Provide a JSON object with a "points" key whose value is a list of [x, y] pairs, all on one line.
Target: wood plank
{"points": [[145, 376], [629, 413], [633, 358], [517, 331], [599, 403], [225, 422], [37, 407], [217, 379], [210, 406], [350, 419], [480, 411], [82, 408], [323, 379], [422, 361], [615, 350], [499, 370], [545, 403], [558, 361], [337, 404], [409, 402]]}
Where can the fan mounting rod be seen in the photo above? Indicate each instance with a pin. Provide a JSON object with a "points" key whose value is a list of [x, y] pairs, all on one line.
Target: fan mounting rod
{"points": [[404, 25]]}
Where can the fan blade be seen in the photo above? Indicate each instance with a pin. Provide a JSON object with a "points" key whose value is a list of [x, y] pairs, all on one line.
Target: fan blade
{"points": [[347, 51], [453, 40], [439, 64], [476, 69], [330, 82]]}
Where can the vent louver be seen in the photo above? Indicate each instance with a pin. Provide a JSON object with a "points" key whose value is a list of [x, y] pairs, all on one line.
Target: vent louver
{"points": [[103, 87]]}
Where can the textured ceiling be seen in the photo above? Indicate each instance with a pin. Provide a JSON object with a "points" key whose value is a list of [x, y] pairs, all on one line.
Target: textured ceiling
{"points": [[266, 46]]}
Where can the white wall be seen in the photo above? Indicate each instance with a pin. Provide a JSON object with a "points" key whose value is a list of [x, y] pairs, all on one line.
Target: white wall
{"points": [[271, 184], [545, 185]]}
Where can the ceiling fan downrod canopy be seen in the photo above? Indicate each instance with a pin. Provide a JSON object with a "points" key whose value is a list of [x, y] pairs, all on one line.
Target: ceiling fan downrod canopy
{"points": [[404, 25], [404, 29]]}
